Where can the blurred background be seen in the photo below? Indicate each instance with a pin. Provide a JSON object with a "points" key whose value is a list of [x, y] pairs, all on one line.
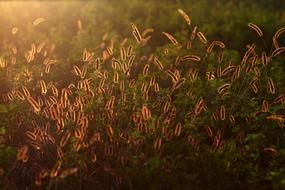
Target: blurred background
{"points": [[73, 25]]}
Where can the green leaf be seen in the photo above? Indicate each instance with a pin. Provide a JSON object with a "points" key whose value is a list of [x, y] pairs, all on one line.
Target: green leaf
{"points": [[2, 130]]}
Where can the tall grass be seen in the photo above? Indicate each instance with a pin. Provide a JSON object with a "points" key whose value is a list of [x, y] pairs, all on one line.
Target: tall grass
{"points": [[123, 118]]}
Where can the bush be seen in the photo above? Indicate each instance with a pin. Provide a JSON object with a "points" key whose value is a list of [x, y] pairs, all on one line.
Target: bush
{"points": [[129, 115]]}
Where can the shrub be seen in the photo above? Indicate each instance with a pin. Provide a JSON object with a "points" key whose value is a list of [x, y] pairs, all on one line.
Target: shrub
{"points": [[189, 115]]}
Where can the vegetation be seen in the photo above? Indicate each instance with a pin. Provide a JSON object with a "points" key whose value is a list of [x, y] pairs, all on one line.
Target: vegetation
{"points": [[136, 95]]}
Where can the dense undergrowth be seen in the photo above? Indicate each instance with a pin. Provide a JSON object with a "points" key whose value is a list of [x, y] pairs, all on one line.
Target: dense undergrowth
{"points": [[191, 114]]}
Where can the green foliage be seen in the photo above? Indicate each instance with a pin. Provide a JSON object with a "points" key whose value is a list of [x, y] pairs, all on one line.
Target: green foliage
{"points": [[114, 143]]}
